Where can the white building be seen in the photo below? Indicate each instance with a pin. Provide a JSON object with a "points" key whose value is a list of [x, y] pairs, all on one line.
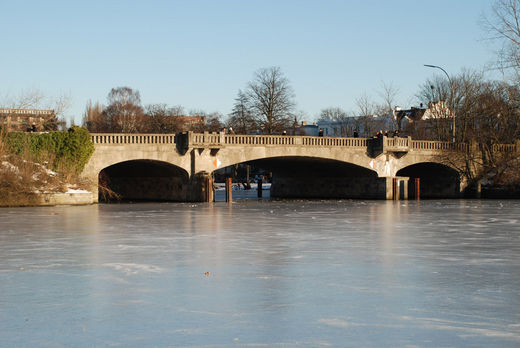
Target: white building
{"points": [[346, 127]]}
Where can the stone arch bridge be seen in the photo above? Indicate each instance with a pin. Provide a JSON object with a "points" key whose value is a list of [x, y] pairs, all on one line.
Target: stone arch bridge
{"points": [[179, 167]]}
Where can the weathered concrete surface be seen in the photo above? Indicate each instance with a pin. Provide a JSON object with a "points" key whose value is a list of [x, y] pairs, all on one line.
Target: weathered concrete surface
{"points": [[106, 155], [66, 198]]}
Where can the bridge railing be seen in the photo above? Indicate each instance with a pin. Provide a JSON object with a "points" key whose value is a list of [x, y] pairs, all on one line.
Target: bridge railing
{"points": [[437, 145], [235, 139], [342, 142], [507, 148], [205, 139], [397, 142], [111, 138], [220, 139]]}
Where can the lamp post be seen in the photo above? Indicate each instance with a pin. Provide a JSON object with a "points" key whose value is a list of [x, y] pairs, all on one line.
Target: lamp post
{"points": [[451, 93]]}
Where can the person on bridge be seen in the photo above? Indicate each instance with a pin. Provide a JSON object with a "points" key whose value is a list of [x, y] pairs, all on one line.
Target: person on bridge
{"points": [[284, 132], [356, 134], [231, 131], [320, 133]]}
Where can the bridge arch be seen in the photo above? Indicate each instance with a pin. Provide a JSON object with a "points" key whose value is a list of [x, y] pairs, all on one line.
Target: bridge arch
{"points": [[436, 180], [354, 156], [143, 180], [317, 177]]}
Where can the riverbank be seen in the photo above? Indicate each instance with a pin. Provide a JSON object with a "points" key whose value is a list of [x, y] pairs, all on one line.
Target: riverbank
{"points": [[48, 199], [28, 199], [65, 198], [25, 183]]}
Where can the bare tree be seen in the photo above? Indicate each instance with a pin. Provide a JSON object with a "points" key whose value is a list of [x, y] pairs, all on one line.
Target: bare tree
{"points": [[504, 26], [213, 122], [271, 99], [388, 94], [333, 114], [60, 106], [433, 92], [458, 99], [163, 119], [241, 117], [95, 119], [26, 99], [367, 109], [124, 110], [487, 115]]}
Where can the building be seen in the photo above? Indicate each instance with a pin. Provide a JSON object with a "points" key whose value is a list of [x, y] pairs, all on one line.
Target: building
{"points": [[192, 121], [27, 119], [365, 126], [309, 129], [420, 117]]}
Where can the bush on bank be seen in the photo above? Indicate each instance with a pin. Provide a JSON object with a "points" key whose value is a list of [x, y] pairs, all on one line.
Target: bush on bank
{"points": [[25, 160], [65, 152]]}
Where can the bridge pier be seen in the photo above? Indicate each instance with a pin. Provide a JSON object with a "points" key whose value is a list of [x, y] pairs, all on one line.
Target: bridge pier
{"points": [[397, 188], [200, 188]]}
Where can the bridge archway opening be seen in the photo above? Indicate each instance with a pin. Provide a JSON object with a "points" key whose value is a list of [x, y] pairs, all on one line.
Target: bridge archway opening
{"points": [[435, 180], [143, 180], [310, 177]]}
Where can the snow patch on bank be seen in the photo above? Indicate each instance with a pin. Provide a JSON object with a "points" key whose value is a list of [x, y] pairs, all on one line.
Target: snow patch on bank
{"points": [[70, 190], [9, 167], [36, 178]]}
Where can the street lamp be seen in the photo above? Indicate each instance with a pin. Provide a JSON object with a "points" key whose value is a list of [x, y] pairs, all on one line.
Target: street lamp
{"points": [[451, 93]]}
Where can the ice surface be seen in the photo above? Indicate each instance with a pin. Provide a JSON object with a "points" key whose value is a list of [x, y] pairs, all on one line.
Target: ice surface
{"points": [[262, 273]]}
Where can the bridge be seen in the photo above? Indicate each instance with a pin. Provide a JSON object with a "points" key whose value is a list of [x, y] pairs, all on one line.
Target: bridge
{"points": [[179, 167]]}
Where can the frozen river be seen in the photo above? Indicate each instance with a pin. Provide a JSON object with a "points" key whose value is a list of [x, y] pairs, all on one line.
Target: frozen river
{"points": [[262, 274]]}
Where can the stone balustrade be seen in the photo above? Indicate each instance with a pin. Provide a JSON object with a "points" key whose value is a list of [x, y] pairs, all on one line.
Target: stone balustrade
{"points": [[507, 148], [235, 139], [437, 145], [206, 139], [333, 142], [116, 139]]}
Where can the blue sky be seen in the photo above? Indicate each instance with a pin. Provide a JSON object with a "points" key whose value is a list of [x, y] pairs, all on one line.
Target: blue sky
{"points": [[199, 53]]}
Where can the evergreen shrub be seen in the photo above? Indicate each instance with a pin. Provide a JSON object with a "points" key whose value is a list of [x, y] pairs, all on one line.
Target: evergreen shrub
{"points": [[65, 152]]}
